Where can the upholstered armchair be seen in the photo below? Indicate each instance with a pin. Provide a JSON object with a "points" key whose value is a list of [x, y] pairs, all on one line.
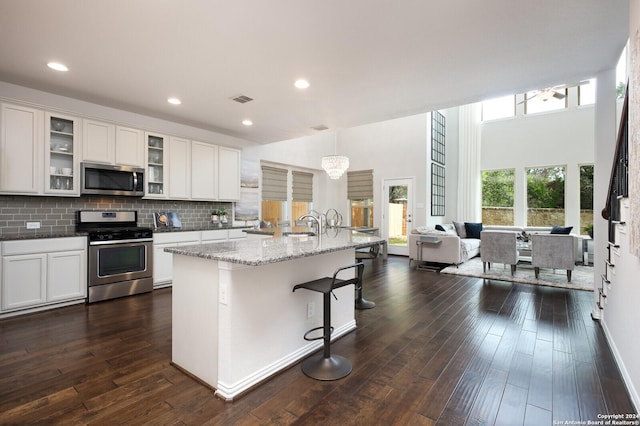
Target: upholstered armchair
{"points": [[552, 251], [498, 247]]}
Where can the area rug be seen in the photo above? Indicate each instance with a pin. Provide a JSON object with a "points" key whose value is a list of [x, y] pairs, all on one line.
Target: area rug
{"points": [[581, 277]]}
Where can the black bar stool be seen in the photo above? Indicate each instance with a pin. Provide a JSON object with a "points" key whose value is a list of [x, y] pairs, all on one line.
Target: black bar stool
{"points": [[324, 366], [361, 302]]}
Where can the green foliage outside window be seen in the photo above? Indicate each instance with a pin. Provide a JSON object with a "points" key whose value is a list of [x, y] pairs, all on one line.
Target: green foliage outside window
{"points": [[498, 188], [545, 188], [586, 187]]}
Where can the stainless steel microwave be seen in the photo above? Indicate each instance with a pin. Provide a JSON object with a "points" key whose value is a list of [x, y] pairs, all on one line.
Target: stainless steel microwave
{"points": [[105, 179]]}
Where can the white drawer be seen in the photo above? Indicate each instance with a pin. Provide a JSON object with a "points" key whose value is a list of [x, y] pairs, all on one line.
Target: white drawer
{"points": [[43, 245], [175, 237]]}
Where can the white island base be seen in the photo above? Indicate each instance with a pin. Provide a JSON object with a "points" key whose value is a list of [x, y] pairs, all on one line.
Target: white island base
{"points": [[235, 326]]}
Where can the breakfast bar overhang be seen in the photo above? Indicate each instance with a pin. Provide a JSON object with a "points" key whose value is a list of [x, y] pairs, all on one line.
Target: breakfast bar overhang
{"points": [[235, 319]]}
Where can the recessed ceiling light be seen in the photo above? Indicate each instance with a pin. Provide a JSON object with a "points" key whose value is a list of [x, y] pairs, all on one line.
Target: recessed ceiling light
{"points": [[174, 101], [57, 66], [247, 122], [301, 84]]}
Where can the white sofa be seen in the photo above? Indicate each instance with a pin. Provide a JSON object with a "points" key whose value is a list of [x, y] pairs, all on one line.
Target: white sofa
{"points": [[450, 250], [453, 250]]}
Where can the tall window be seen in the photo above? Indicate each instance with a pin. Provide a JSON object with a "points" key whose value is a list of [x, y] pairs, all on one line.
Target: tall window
{"points": [[302, 195], [586, 198], [496, 108], [498, 187], [545, 196], [438, 151], [360, 195], [622, 73], [274, 194]]}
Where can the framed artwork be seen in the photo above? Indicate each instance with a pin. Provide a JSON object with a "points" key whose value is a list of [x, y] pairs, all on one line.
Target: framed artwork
{"points": [[247, 208]]}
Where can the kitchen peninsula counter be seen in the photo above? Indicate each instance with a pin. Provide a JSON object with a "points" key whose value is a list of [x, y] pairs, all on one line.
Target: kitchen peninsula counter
{"points": [[235, 319], [277, 249]]}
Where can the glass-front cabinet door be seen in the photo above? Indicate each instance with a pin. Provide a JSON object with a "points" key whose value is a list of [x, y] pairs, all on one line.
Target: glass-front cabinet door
{"points": [[62, 154], [157, 168]]}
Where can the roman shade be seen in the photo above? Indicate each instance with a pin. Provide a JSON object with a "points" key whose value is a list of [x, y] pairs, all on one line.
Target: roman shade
{"points": [[274, 184], [360, 185], [302, 186]]}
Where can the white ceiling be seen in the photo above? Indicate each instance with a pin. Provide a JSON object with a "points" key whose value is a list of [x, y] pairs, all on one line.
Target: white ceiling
{"points": [[366, 60]]}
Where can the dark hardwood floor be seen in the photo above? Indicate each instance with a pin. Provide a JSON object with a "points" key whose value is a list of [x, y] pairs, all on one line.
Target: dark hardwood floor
{"points": [[437, 349]]}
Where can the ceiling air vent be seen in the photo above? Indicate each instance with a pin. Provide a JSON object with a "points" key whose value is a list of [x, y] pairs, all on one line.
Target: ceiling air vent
{"points": [[319, 127], [241, 99]]}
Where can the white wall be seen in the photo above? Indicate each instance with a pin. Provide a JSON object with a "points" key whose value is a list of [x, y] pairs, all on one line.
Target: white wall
{"points": [[396, 148], [559, 138], [621, 314]]}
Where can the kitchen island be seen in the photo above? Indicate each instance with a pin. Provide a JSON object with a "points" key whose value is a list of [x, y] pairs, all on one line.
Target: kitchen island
{"points": [[235, 319]]}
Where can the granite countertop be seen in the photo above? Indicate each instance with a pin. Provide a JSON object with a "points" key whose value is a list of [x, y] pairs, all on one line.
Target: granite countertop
{"points": [[210, 227], [277, 231], [39, 234], [256, 252]]}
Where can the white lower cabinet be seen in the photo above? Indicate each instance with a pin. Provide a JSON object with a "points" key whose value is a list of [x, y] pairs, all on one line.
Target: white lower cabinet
{"points": [[163, 262], [24, 281], [214, 236], [237, 234], [43, 271], [66, 275]]}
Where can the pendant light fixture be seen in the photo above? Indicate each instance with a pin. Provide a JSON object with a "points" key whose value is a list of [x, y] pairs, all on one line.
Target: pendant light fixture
{"points": [[335, 165]]}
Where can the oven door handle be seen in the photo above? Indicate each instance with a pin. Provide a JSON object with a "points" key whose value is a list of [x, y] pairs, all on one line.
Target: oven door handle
{"points": [[110, 242]]}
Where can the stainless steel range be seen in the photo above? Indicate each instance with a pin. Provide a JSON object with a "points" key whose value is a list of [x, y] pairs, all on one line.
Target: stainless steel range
{"points": [[120, 254]]}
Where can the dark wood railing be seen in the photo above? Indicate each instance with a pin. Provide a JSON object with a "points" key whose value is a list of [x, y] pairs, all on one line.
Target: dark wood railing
{"points": [[619, 181]]}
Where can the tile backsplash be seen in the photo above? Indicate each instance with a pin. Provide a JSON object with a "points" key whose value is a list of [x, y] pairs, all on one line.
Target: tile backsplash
{"points": [[57, 214]]}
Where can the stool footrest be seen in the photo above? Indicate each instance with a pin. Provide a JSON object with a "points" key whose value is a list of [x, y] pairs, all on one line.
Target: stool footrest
{"points": [[310, 339]]}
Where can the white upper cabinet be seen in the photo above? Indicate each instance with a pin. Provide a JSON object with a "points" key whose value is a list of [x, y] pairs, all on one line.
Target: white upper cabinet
{"points": [[157, 165], [62, 154], [111, 144], [228, 174], [129, 147], [21, 141], [204, 173], [98, 142], [41, 152], [179, 176]]}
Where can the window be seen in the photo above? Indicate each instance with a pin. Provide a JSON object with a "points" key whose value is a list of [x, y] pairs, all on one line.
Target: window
{"points": [[437, 137], [360, 195], [622, 73], [545, 196], [274, 193], [498, 188], [586, 197], [545, 100], [302, 194], [438, 127], [496, 108], [437, 190], [587, 93]]}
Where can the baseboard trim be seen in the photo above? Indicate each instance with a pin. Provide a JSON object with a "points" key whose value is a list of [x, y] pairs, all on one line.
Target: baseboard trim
{"points": [[231, 391], [626, 378]]}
